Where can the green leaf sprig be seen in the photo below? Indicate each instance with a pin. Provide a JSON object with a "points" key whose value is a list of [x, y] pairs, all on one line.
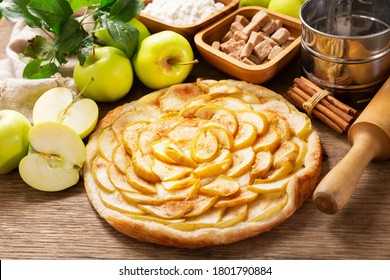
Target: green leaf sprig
{"points": [[66, 35]]}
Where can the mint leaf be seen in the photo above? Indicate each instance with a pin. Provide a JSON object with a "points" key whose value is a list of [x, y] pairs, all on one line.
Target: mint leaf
{"points": [[78, 4], [35, 70], [15, 10], [85, 49], [70, 37], [52, 13], [125, 10], [123, 33], [39, 47]]}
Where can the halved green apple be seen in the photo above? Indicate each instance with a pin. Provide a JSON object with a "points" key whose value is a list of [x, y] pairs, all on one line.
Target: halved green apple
{"points": [[60, 105], [55, 159]]}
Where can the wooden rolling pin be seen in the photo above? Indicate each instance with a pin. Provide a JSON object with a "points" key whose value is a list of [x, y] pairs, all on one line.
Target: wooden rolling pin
{"points": [[369, 137]]}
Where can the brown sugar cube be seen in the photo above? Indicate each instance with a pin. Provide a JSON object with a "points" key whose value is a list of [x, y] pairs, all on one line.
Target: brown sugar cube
{"points": [[232, 46], [255, 38], [241, 19], [261, 18], [281, 35], [271, 41], [247, 50], [216, 45], [236, 26], [227, 36], [269, 27], [239, 35], [274, 52], [262, 50], [252, 26], [254, 59], [234, 55], [278, 23], [248, 61]]}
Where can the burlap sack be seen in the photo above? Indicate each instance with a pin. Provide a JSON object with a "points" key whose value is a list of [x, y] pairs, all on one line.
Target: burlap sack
{"points": [[18, 93]]}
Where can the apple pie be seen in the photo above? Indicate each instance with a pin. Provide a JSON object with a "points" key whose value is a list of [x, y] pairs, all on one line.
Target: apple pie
{"points": [[201, 164]]}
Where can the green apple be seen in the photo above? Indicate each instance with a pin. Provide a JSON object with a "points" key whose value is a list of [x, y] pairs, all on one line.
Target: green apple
{"points": [[287, 7], [261, 3], [105, 37], [110, 71], [55, 159], [60, 105], [14, 128], [163, 59]]}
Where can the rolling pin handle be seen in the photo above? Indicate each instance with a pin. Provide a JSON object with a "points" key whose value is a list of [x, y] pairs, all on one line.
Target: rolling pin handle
{"points": [[337, 186]]}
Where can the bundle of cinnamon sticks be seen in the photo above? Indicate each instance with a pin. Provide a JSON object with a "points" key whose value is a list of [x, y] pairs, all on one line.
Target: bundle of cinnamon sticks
{"points": [[308, 97]]}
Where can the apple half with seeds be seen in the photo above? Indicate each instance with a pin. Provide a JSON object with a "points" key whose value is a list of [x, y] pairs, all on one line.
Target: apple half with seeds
{"points": [[55, 159], [60, 105]]}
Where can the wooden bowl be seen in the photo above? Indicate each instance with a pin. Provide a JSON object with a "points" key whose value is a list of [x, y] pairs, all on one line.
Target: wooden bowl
{"points": [[155, 25], [251, 73]]}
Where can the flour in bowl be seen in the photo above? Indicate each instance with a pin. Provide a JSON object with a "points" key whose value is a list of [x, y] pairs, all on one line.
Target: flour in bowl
{"points": [[183, 12]]}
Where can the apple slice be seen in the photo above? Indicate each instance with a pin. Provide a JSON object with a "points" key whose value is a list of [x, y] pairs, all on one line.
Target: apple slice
{"points": [[168, 210], [266, 206], [246, 136], [242, 162], [232, 103], [233, 216], [204, 147], [220, 164], [243, 196], [107, 143], [116, 202], [263, 162], [222, 186], [130, 135], [56, 157], [271, 187], [60, 105], [300, 124], [220, 115], [207, 219]]}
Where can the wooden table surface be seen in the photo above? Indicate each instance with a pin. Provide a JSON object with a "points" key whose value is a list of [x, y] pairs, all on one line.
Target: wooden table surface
{"points": [[64, 225]]}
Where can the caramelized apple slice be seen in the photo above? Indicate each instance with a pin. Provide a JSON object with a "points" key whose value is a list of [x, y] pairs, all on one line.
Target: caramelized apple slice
{"points": [[222, 186], [139, 198], [130, 135], [100, 175], [232, 103], [233, 216], [244, 196], [269, 141], [263, 162], [246, 136], [137, 182], [178, 194], [207, 219], [177, 96], [242, 162], [204, 147], [116, 202], [288, 151], [220, 115], [107, 142], [257, 119], [142, 166], [120, 158], [168, 172], [220, 164], [168, 209], [266, 206], [272, 187]]}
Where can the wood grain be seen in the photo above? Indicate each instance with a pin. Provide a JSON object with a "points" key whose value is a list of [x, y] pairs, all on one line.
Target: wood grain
{"points": [[64, 225]]}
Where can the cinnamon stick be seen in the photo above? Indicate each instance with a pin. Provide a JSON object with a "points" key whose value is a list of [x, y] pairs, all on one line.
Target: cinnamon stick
{"points": [[347, 109], [328, 109], [297, 101], [324, 101]]}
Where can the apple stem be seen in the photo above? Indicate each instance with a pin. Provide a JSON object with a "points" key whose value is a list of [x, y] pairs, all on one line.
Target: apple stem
{"points": [[94, 54], [173, 62]]}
